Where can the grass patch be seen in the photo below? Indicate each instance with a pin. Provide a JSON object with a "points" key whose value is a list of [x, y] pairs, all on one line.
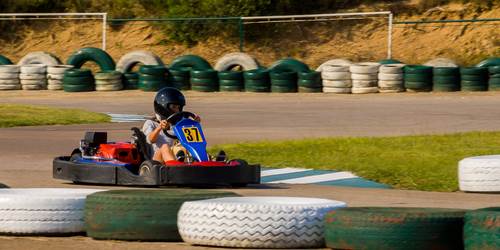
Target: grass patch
{"points": [[427, 162], [12, 115]]}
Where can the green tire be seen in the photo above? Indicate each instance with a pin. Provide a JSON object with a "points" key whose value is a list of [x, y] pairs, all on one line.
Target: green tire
{"points": [[236, 83], [142, 215], [289, 64], [309, 83], [473, 83], [78, 80], [231, 88], [258, 83], [474, 88], [179, 72], [446, 71], [482, 229], [150, 85], [230, 75], [210, 73], [283, 83], [256, 74], [424, 86], [78, 88], [445, 87], [77, 72], [394, 228], [493, 61], [190, 62], [480, 78], [283, 89], [494, 81], [96, 55], [389, 61], [153, 70], [258, 89], [312, 75], [283, 75], [494, 70], [148, 77], [131, 75], [473, 71], [417, 69], [310, 90], [204, 88], [417, 77], [204, 81], [5, 61], [178, 78]]}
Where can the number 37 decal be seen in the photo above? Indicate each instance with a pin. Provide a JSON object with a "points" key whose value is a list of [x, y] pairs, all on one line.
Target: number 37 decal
{"points": [[192, 134]]}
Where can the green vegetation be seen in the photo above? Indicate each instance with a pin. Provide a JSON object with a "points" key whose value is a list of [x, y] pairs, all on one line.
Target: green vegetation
{"points": [[427, 162], [12, 115]]}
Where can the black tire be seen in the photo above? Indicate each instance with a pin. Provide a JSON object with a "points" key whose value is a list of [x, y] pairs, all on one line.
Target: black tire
{"points": [[75, 156], [96, 55], [481, 229], [230, 75]]}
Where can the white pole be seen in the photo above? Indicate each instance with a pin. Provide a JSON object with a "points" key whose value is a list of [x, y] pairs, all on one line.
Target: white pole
{"points": [[104, 21], [389, 38]]}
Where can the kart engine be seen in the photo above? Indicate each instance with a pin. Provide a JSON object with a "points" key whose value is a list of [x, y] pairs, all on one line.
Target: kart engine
{"points": [[95, 146]]}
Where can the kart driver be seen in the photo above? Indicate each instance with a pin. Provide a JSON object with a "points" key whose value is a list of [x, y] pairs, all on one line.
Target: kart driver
{"points": [[167, 101]]}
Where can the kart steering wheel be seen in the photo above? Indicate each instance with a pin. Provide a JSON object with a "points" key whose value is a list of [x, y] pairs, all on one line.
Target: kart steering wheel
{"points": [[175, 118]]}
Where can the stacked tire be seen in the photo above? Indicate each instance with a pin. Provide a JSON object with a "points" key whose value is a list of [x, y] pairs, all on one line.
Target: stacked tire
{"points": [[283, 81], [152, 77], [108, 81], [9, 77], [130, 80], [418, 78], [179, 79], [204, 80], [482, 229], [364, 77], [336, 79], [55, 75], [390, 78], [33, 76], [257, 80], [231, 81], [474, 78], [310, 82], [494, 79], [78, 80], [445, 79]]}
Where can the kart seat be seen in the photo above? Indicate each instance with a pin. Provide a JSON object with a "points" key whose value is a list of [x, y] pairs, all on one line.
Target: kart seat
{"points": [[145, 150]]}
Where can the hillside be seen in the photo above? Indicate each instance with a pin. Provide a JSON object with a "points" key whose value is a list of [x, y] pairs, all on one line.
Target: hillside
{"points": [[313, 43]]}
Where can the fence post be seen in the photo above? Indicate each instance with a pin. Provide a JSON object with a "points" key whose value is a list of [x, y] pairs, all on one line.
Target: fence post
{"points": [[241, 32]]}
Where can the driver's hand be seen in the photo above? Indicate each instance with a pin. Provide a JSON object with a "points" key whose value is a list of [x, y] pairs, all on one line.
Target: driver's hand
{"points": [[197, 118], [164, 124]]}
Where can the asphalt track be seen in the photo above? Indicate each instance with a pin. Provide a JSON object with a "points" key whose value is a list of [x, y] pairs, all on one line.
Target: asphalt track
{"points": [[26, 152]]}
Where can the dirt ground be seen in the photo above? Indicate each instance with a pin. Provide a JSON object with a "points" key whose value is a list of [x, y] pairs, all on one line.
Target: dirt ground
{"points": [[27, 152]]}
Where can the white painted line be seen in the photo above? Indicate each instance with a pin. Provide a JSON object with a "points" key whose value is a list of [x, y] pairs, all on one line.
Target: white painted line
{"points": [[282, 171], [318, 178]]}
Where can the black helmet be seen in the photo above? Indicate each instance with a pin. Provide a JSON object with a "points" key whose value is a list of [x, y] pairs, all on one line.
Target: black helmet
{"points": [[166, 96]]}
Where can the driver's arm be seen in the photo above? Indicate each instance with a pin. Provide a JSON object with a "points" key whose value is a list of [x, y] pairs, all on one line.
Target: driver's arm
{"points": [[154, 134]]}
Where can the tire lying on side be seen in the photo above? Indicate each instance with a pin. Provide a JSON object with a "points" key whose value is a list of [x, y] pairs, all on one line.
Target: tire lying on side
{"points": [[131, 59], [479, 174], [39, 57], [5, 61], [231, 60], [255, 222]]}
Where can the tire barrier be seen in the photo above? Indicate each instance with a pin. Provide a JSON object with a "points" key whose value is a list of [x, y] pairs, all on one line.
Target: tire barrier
{"points": [[145, 215], [55, 75], [289, 65], [42, 211], [473, 79], [190, 62], [3, 186], [131, 59], [256, 222], [96, 55], [108, 81], [479, 174], [179, 79], [364, 77], [417, 78], [231, 81], [33, 76], [257, 80], [494, 78], [130, 80], [204, 80], [283, 81], [336, 78], [152, 77], [9, 77], [231, 60], [5, 61], [394, 228], [482, 229], [441, 62], [78, 80], [310, 82], [39, 57], [389, 61], [445, 79], [390, 78], [493, 61], [341, 62]]}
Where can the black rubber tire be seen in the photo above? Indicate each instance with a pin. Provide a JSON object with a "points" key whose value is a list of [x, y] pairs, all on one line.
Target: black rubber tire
{"points": [[394, 228], [284, 83], [179, 72], [235, 83], [230, 75], [204, 74], [205, 88], [256, 74], [310, 90], [78, 80], [152, 85], [494, 70], [258, 83], [473, 71], [96, 55], [227, 88], [190, 61], [417, 77], [445, 71], [417, 69], [5, 61], [283, 75], [482, 229], [283, 89], [148, 77], [78, 88], [153, 70], [289, 64], [77, 72], [143, 215]]}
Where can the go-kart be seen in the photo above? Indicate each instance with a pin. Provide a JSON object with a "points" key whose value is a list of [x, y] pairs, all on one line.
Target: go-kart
{"points": [[97, 161]]}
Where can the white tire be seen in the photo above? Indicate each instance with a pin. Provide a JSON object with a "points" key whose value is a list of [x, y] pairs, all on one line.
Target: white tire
{"points": [[231, 60], [337, 90], [328, 75], [24, 76], [391, 68], [9, 76], [366, 77], [390, 90], [10, 86], [39, 57], [343, 62], [54, 81], [365, 90], [335, 68], [54, 86], [9, 81], [32, 87], [9, 69], [441, 62], [34, 69], [108, 87], [255, 222], [390, 84], [364, 83], [337, 83], [364, 68], [58, 69], [479, 174], [108, 82], [108, 76], [390, 77], [129, 60], [34, 82], [55, 76]]}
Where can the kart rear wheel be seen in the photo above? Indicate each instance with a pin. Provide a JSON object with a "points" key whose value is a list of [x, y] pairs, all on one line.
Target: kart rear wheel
{"points": [[75, 156], [146, 168]]}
